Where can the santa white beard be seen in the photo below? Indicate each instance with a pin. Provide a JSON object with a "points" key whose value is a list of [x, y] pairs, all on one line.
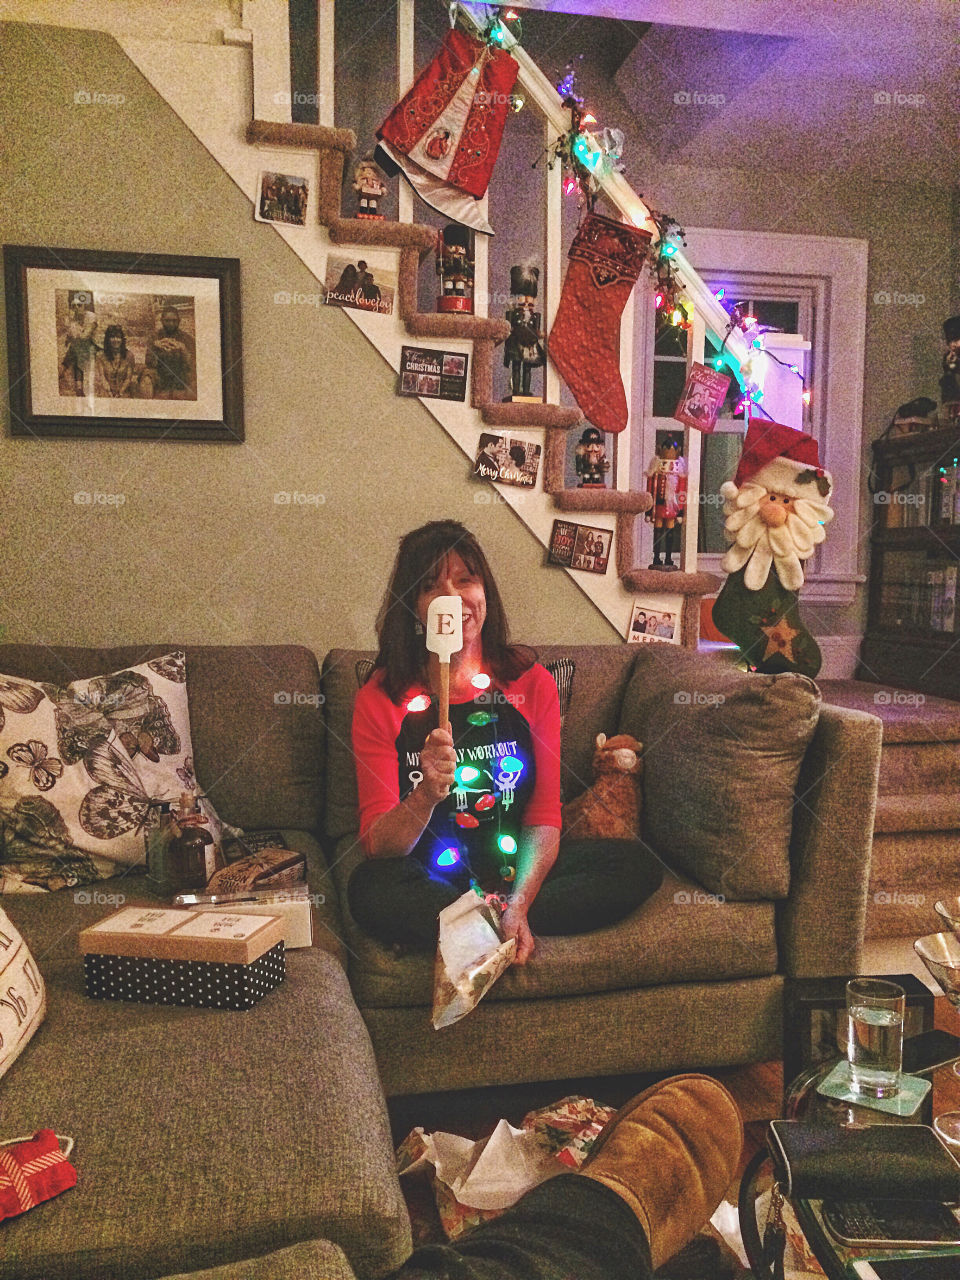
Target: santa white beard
{"points": [[758, 546]]}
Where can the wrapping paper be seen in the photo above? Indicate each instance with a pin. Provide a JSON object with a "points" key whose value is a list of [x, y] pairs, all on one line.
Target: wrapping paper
{"points": [[31, 1171], [475, 1181], [471, 956]]}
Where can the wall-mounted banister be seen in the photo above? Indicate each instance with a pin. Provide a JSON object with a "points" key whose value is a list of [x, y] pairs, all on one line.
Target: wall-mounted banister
{"points": [[538, 91]]}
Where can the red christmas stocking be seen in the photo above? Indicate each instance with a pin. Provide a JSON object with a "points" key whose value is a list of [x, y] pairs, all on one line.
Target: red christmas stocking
{"points": [[584, 344]]}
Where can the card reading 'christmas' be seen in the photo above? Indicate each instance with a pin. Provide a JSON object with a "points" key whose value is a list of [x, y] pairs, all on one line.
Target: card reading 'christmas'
{"points": [[507, 461], [703, 396], [433, 375]]}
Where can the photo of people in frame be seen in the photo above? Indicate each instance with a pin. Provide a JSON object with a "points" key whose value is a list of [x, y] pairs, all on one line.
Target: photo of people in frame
{"points": [[125, 345], [655, 619], [283, 198]]}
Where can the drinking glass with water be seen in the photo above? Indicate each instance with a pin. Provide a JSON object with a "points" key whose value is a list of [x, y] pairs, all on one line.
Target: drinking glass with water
{"points": [[875, 1012]]}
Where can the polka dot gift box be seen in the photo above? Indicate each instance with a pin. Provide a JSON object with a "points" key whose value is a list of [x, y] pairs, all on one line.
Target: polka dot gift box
{"points": [[154, 955]]}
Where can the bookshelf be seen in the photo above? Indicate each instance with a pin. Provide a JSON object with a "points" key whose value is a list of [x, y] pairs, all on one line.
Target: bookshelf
{"points": [[913, 624]]}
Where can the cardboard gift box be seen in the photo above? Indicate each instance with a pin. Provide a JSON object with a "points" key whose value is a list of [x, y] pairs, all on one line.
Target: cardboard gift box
{"points": [[155, 955]]}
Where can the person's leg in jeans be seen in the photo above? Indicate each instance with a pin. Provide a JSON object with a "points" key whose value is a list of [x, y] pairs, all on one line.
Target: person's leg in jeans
{"points": [[653, 1178], [397, 900], [569, 1228], [594, 883]]}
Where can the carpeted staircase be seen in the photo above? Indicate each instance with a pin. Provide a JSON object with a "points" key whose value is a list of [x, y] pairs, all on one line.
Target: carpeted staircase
{"points": [[916, 846]]}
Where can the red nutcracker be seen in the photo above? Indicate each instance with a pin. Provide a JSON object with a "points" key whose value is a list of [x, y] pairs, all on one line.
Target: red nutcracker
{"points": [[667, 483], [455, 268]]}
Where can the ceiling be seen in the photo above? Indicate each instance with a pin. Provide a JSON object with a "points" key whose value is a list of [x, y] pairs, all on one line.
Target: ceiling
{"points": [[866, 86]]}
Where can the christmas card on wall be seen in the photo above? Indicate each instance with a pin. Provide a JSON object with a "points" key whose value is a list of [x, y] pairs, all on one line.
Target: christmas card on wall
{"points": [[353, 284], [507, 461], [655, 619], [702, 399], [434, 375], [282, 198], [580, 546]]}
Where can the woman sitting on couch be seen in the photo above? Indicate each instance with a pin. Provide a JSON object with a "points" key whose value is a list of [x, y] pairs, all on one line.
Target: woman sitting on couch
{"points": [[479, 803]]}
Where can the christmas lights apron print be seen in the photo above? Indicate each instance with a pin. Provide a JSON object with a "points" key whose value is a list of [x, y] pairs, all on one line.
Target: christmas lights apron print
{"points": [[474, 832]]}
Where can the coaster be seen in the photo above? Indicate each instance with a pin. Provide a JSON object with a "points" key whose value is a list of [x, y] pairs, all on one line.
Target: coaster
{"points": [[913, 1090]]}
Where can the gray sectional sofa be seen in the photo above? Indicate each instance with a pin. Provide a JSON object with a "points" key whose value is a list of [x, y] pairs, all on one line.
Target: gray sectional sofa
{"points": [[248, 1145]]}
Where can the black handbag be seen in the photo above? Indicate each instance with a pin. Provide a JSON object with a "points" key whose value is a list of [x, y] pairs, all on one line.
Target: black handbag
{"points": [[818, 1161]]}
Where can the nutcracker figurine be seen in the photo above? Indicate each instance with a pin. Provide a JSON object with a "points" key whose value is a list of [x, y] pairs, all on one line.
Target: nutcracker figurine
{"points": [[455, 268], [950, 382], [667, 483], [370, 188], [591, 460], [523, 351]]}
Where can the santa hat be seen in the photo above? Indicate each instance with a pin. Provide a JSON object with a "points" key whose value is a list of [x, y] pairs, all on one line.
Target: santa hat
{"points": [[782, 460]]}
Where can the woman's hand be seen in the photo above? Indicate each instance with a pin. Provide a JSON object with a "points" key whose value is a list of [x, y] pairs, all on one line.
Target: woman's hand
{"points": [[438, 764], [514, 924]]}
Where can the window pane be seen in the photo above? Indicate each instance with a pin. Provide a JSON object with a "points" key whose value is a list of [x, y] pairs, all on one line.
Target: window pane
{"points": [[669, 339], [668, 379], [718, 462], [778, 315]]}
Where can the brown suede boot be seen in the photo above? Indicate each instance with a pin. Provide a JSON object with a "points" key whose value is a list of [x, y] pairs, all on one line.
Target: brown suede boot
{"points": [[670, 1153]]}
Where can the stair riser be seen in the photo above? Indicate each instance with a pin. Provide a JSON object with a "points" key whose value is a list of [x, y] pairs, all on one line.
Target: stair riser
{"points": [[912, 861], [911, 767]]}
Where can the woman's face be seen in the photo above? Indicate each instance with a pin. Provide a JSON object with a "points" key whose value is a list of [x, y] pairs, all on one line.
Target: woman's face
{"points": [[455, 579], [115, 341]]}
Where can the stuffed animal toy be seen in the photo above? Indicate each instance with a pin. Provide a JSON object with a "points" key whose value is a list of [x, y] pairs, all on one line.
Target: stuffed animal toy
{"points": [[610, 807]]}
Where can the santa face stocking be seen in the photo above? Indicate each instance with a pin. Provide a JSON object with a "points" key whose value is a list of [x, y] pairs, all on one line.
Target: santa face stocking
{"points": [[605, 260], [766, 625]]}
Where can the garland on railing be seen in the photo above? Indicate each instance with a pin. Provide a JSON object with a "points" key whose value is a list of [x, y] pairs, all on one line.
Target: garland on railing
{"points": [[586, 156], [750, 373]]}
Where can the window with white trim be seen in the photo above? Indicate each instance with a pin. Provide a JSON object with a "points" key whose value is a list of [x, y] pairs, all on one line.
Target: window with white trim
{"points": [[811, 285]]}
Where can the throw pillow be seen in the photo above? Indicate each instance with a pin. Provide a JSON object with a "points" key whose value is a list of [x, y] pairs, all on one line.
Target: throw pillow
{"points": [[562, 670], [24, 1005], [722, 754], [84, 767]]}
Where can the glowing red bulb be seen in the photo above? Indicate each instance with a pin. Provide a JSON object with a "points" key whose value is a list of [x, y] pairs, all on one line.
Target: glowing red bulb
{"points": [[420, 703]]}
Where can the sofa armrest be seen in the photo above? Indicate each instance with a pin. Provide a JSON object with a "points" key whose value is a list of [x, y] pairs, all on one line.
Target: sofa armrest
{"points": [[820, 926]]}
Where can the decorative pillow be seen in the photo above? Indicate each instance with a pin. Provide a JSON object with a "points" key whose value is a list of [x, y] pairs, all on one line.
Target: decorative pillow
{"points": [[83, 768], [25, 997], [721, 759], [561, 669]]}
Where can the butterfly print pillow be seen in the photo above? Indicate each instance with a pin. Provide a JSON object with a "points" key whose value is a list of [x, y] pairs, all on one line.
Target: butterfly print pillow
{"points": [[84, 767]]}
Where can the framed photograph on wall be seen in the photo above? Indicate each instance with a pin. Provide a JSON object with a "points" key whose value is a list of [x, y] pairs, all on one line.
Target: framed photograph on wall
{"points": [[123, 345]]}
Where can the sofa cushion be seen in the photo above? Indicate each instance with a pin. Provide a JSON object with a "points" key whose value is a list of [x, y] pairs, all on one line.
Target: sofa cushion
{"points": [[254, 713], [203, 1137], [680, 934], [722, 754], [86, 765], [312, 1260]]}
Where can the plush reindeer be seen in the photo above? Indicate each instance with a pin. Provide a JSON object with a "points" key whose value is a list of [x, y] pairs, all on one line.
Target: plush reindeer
{"points": [[610, 807]]}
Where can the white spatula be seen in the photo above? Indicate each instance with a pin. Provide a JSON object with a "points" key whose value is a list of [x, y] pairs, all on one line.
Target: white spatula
{"points": [[444, 637]]}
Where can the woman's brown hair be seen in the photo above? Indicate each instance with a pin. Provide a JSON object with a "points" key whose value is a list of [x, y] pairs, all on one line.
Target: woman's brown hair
{"points": [[402, 655]]}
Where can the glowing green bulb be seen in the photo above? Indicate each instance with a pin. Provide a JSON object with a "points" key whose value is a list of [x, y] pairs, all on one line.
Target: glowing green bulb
{"points": [[467, 773], [507, 844]]}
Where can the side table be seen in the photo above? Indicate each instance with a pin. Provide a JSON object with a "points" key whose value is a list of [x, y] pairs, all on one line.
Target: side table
{"points": [[802, 1102]]}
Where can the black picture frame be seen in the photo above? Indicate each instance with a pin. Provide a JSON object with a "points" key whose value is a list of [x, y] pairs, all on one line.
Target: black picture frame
{"points": [[168, 419]]}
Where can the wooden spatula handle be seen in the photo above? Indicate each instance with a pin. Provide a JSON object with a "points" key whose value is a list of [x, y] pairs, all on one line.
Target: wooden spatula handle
{"points": [[444, 695]]}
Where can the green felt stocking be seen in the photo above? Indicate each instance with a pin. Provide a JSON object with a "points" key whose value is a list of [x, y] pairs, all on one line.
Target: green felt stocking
{"points": [[766, 625]]}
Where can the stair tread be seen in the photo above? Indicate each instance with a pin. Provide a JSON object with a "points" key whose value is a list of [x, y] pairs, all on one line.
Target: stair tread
{"points": [[526, 414], [906, 716], [918, 811], [676, 582], [389, 235], [423, 324], [631, 501], [284, 133]]}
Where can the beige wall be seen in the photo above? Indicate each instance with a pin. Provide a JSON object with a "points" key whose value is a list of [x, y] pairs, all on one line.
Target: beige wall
{"points": [[199, 551]]}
